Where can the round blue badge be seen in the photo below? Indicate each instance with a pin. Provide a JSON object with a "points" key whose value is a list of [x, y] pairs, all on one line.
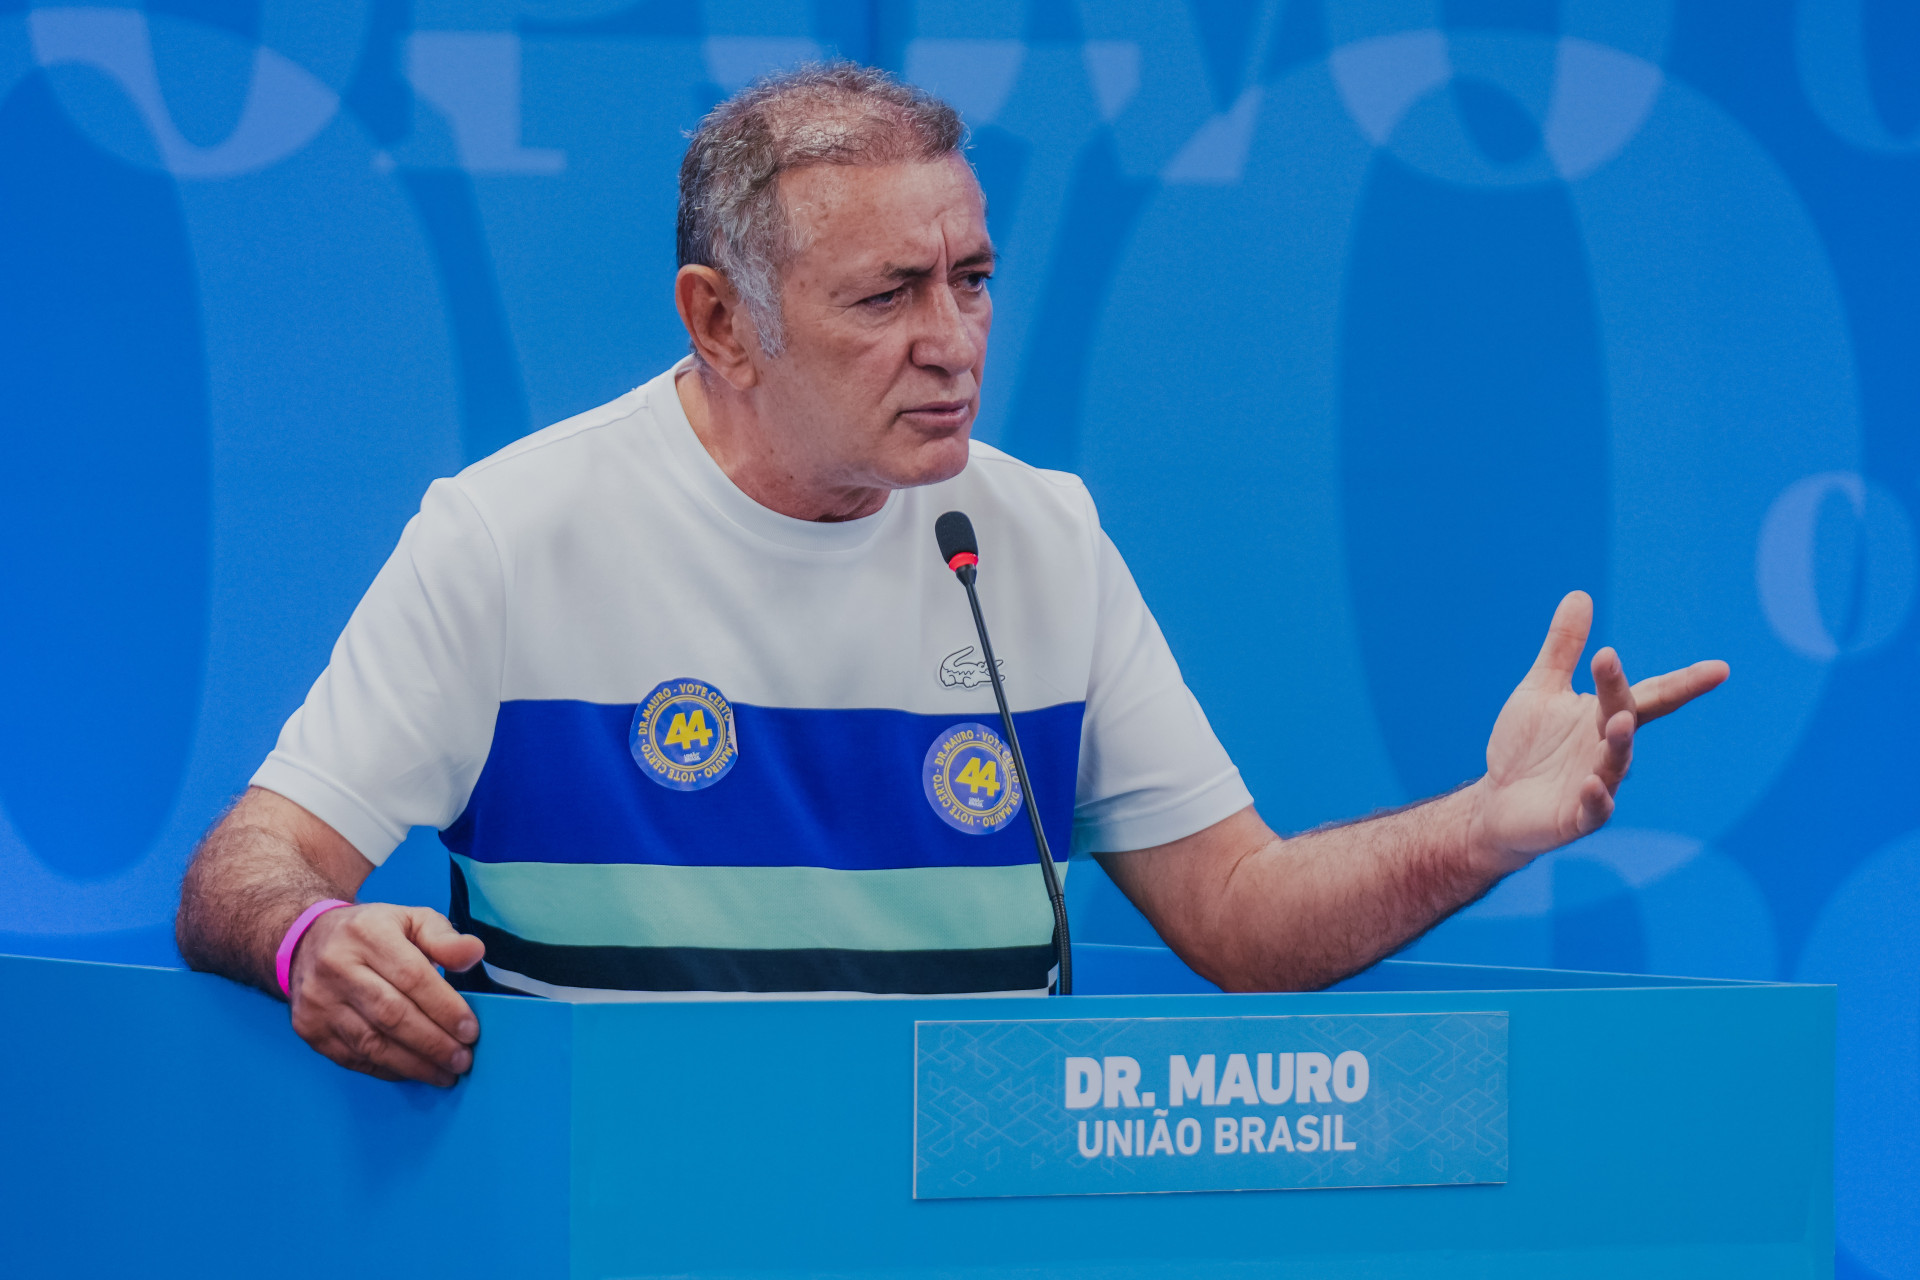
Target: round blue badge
{"points": [[970, 780], [683, 736]]}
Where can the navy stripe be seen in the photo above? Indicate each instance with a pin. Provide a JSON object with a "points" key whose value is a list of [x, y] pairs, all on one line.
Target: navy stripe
{"points": [[954, 972], [811, 788], [925, 973]]}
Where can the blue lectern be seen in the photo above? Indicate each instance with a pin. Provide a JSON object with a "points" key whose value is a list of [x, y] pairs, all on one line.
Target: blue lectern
{"points": [[160, 1123]]}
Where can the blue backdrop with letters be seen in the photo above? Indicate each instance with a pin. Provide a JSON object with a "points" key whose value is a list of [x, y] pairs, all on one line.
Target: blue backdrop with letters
{"points": [[1374, 325]]}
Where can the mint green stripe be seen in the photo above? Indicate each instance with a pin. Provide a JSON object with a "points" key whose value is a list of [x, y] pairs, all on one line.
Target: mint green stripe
{"points": [[919, 908]]}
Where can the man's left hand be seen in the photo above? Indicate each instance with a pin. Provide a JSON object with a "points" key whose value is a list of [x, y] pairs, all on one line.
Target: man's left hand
{"points": [[1556, 757]]}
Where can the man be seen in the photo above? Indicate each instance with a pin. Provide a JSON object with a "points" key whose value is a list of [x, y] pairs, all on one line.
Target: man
{"points": [[691, 696]]}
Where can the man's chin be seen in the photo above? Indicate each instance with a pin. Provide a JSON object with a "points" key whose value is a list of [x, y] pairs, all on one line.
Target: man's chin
{"points": [[932, 463]]}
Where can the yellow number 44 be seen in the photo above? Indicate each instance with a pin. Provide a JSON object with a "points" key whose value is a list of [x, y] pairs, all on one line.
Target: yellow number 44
{"points": [[980, 775], [686, 732]]}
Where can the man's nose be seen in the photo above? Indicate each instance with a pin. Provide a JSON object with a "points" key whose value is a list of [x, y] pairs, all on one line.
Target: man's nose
{"points": [[947, 340]]}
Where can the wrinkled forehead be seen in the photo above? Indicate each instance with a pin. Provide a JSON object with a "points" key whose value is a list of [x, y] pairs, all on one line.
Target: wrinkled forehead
{"points": [[848, 214]]}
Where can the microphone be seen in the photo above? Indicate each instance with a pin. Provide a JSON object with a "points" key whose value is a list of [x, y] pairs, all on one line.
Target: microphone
{"points": [[958, 547]]}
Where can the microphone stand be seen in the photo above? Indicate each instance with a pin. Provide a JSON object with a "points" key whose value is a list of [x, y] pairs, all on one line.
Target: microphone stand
{"points": [[1062, 945]]}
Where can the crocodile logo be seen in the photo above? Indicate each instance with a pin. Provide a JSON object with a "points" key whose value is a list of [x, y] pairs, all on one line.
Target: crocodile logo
{"points": [[965, 669]]}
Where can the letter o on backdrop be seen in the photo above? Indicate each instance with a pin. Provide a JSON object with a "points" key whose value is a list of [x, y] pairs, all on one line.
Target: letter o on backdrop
{"points": [[1835, 565]]}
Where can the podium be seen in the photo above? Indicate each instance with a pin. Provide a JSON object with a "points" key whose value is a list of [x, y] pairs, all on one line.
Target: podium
{"points": [[155, 1122]]}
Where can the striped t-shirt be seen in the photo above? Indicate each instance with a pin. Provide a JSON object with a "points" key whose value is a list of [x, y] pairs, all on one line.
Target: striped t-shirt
{"points": [[681, 745]]}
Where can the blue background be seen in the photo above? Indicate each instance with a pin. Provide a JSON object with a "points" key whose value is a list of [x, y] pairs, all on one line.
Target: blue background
{"points": [[1374, 326]]}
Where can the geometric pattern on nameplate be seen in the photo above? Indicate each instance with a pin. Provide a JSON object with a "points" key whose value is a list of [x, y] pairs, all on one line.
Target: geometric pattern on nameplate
{"points": [[1097, 1106]]}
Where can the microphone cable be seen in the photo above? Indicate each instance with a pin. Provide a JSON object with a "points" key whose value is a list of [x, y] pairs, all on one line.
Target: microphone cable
{"points": [[961, 551]]}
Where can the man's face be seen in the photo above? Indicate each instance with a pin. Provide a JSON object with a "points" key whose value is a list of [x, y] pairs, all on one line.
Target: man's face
{"points": [[886, 316]]}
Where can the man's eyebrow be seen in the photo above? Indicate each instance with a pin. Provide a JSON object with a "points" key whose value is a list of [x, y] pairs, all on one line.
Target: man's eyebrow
{"points": [[984, 258]]}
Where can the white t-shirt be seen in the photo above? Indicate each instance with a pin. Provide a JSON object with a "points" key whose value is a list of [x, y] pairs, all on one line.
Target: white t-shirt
{"points": [[678, 743]]}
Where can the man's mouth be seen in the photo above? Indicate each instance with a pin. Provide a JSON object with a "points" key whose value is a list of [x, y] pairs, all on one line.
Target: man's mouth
{"points": [[939, 412]]}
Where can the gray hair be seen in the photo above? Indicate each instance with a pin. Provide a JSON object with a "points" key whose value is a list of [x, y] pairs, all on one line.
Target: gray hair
{"points": [[731, 216]]}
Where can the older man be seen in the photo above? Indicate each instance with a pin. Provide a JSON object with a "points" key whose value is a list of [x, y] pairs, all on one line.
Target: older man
{"points": [[688, 691]]}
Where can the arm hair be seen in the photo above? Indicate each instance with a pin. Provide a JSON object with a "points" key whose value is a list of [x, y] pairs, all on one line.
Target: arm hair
{"points": [[259, 867], [1252, 912]]}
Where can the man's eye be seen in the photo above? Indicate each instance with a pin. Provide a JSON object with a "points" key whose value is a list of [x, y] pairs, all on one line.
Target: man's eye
{"points": [[977, 280], [881, 301]]}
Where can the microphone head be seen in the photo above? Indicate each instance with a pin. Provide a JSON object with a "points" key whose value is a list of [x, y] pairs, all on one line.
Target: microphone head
{"points": [[954, 532]]}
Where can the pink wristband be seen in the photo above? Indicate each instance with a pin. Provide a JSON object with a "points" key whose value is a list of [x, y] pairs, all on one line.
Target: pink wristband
{"points": [[283, 958]]}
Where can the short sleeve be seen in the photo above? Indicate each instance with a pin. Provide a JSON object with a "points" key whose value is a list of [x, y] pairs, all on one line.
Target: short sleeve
{"points": [[395, 731], [1151, 769]]}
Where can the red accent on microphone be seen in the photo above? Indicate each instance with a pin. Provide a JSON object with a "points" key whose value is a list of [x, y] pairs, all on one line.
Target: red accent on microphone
{"points": [[961, 559]]}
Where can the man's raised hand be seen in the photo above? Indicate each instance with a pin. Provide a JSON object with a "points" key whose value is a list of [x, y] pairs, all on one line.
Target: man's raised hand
{"points": [[1557, 757], [365, 994]]}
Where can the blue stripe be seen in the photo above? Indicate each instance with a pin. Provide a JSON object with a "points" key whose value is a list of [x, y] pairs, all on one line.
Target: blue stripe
{"points": [[811, 788]]}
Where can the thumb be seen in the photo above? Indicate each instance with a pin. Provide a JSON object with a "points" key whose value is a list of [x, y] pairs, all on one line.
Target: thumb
{"points": [[443, 944], [1566, 637]]}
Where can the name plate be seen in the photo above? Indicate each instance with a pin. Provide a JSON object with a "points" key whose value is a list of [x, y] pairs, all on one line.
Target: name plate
{"points": [[1100, 1106]]}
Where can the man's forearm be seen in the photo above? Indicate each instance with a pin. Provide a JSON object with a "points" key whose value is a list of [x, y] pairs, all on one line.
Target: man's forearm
{"points": [[363, 987], [1266, 914], [1329, 903], [244, 888]]}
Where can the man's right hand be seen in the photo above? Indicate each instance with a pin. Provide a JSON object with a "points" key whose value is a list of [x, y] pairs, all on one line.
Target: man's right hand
{"points": [[364, 992]]}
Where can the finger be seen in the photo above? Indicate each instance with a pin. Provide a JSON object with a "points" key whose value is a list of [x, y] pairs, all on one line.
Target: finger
{"points": [[358, 1045], [1596, 806], [352, 1042], [436, 999], [1616, 750], [388, 1011], [1610, 682], [1658, 695], [1566, 637], [368, 1068], [435, 939], [445, 945]]}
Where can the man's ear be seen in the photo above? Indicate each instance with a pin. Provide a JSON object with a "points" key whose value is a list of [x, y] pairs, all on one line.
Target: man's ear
{"points": [[723, 334]]}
